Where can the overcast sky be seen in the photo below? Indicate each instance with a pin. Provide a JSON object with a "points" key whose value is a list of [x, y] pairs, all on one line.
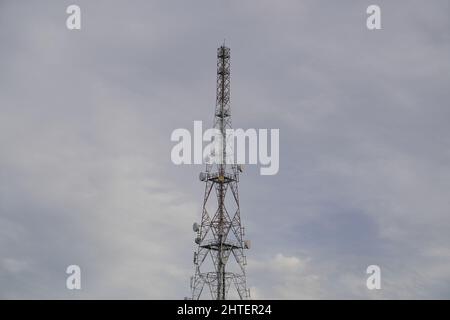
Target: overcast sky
{"points": [[85, 123]]}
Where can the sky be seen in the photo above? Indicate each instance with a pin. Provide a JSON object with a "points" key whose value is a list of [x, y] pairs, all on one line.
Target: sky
{"points": [[86, 117]]}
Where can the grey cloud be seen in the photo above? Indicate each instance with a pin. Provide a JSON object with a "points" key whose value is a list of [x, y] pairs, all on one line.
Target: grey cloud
{"points": [[85, 123]]}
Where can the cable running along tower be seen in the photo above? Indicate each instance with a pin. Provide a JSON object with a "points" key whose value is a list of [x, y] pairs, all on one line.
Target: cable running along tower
{"points": [[219, 259]]}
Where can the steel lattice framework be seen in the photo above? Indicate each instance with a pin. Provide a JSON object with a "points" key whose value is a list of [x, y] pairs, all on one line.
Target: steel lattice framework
{"points": [[219, 259]]}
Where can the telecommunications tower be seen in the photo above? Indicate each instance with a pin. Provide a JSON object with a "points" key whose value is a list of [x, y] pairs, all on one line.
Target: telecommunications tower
{"points": [[219, 259]]}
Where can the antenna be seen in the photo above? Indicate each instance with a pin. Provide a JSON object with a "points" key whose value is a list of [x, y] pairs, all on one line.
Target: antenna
{"points": [[219, 259]]}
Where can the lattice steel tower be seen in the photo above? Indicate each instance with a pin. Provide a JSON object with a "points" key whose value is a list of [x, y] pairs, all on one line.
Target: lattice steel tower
{"points": [[219, 259]]}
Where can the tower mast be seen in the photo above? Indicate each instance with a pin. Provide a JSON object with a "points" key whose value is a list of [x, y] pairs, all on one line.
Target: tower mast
{"points": [[220, 234]]}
